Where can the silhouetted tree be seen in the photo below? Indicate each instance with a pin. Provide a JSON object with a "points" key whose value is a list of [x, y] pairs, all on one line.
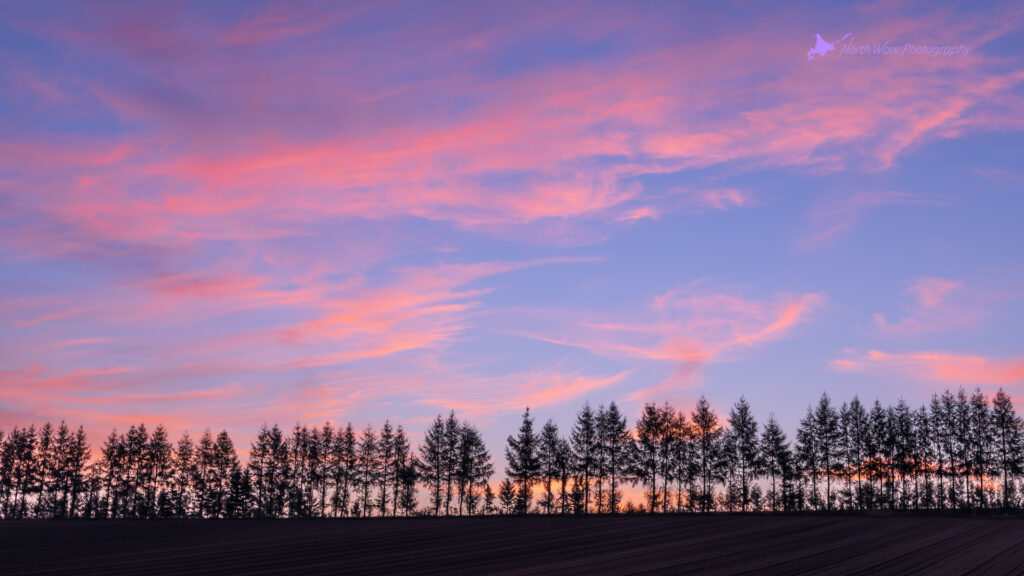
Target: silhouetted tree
{"points": [[777, 457], [1006, 426], [488, 500], [681, 463], [961, 450], [452, 438], [385, 465], [507, 496], [826, 443], [220, 462], [655, 434], [807, 451], [399, 465], [616, 452], [547, 454], [982, 436], [184, 477], [159, 469], [744, 448], [707, 452], [904, 448], [924, 458], [408, 475], [564, 466], [367, 452], [343, 454], [240, 498], [585, 451], [75, 461], [474, 467], [855, 433], [322, 456], [433, 463], [523, 463]]}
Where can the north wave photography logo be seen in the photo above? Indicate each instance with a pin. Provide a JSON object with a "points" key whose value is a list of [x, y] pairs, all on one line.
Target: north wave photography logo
{"points": [[847, 46], [821, 47]]}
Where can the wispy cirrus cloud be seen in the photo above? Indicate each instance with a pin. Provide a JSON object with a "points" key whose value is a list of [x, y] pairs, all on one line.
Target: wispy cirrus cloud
{"points": [[935, 305], [281, 21], [513, 392], [411, 315], [834, 215], [551, 142], [938, 367], [711, 199], [257, 196], [686, 330]]}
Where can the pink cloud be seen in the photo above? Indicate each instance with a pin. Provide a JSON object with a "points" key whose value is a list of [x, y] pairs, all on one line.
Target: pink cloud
{"points": [[717, 199], [576, 134], [937, 305], [687, 331], [514, 392], [283, 21], [47, 318], [930, 292], [82, 342], [639, 214], [939, 367], [227, 149], [836, 214], [426, 307]]}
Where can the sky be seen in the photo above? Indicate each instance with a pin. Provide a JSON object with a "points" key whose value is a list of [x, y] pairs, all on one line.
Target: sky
{"points": [[224, 214]]}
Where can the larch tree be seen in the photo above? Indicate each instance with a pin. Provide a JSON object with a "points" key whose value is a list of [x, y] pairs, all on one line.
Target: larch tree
{"points": [[584, 451], [616, 449], [474, 470], [1007, 427], [548, 454], [826, 443], [433, 462], [776, 454], [745, 448], [707, 452], [653, 431], [343, 453], [521, 453]]}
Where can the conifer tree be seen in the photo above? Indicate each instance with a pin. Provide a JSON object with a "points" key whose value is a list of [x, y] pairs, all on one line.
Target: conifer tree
{"points": [[707, 452], [615, 449], [548, 454], [367, 451], [523, 463], [584, 451], [507, 496], [344, 457], [1009, 456], [488, 499], [746, 451], [184, 477], [385, 464], [826, 443], [474, 470], [401, 461], [776, 454], [160, 467], [433, 462]]}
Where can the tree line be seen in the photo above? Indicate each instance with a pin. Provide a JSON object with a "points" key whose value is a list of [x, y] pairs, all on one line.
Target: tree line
{"points": [[960, 451]]}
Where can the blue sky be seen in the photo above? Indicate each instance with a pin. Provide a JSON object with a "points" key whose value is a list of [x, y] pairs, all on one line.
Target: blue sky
{"points": [[216, 217]]}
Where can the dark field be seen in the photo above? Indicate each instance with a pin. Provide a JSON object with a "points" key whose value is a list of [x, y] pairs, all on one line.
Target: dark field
{"points": [[597, 545]]}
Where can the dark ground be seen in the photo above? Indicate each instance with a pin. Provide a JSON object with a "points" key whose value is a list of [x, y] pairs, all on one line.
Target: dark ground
{"points": [[718, 544]]}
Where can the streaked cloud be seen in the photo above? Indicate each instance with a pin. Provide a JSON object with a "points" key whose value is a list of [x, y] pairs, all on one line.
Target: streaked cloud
{"points": [[939, 367]]}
